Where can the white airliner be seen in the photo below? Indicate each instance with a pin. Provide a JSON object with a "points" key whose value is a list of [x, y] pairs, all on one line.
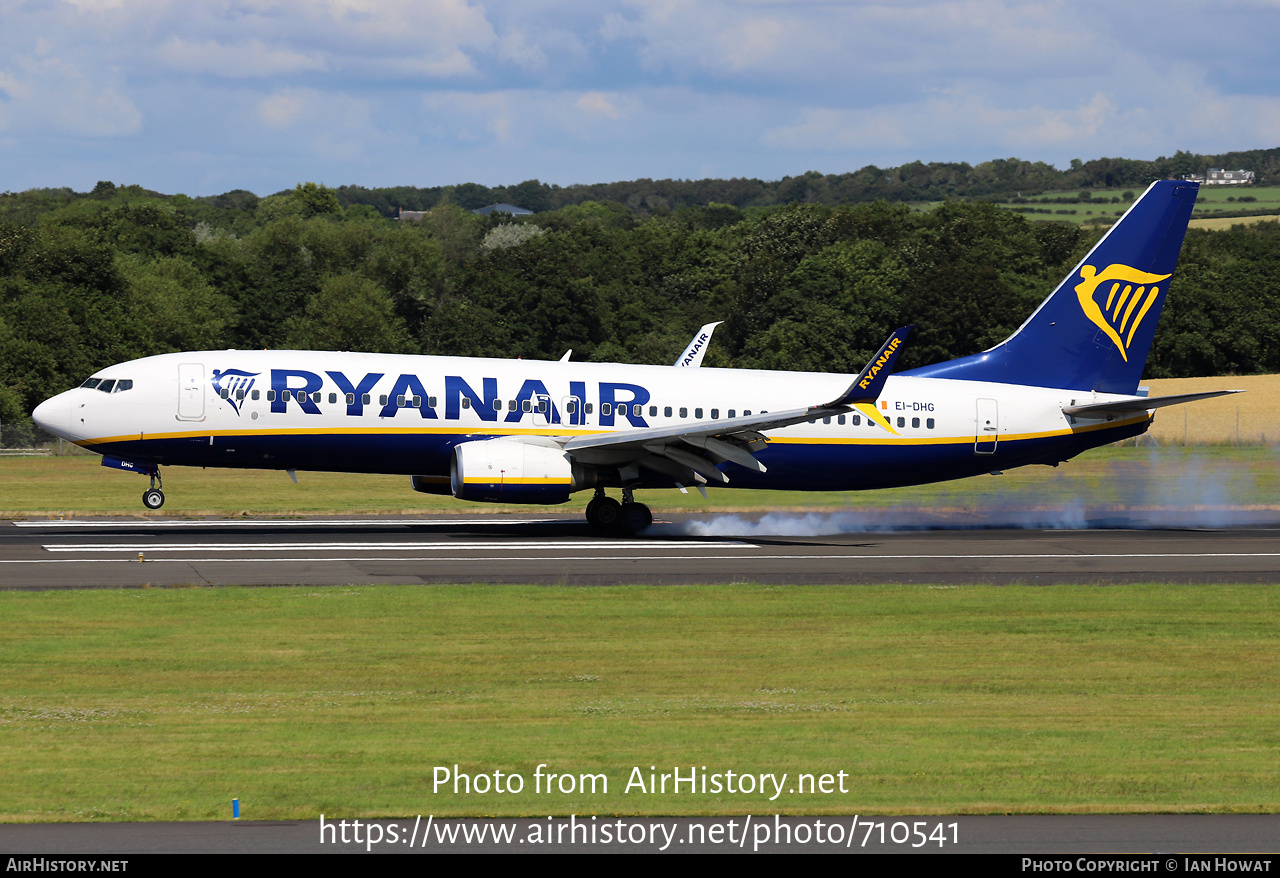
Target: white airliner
{"points": [[527, 431]]}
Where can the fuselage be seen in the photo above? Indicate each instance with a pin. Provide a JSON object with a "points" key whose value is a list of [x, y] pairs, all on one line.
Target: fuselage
{"points": [[382, 413]]}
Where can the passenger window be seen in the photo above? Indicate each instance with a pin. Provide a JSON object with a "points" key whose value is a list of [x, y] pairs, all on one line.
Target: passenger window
{"points": [[856, 420], [929, 423], [382, 400], [285, 395], [826, 420], [606, 409], [542, 406], [253, 394], [315, 397], [902, 422], [431, 402], [715, 414], [684, 412], [746, 413], [239, 393], [224, 392], [653, 411], [511, 405], [271, 395], [666, 412], [400, 400], [840, 419], [697, 413], [333, 398], [915, 423], [497, 405], [351, 399], [732, 414], [466, 402], [363, 399], [570, 407], [416, 402], [526, 406], [589, 407], [637, 410]]}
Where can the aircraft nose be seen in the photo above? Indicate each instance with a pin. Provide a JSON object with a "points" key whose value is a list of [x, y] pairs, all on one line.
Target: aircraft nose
{"points": [[54, 415]]}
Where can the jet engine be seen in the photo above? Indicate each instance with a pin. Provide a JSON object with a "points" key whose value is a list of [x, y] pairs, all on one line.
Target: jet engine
{"points": [[515, 471]]}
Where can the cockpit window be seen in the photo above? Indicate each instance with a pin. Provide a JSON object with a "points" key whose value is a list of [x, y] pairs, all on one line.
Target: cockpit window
{"points": [[106, 386], [123, 384], [92, 383]]}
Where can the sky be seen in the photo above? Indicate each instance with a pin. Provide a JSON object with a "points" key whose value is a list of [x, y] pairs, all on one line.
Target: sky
{"points": [[206, 96]]}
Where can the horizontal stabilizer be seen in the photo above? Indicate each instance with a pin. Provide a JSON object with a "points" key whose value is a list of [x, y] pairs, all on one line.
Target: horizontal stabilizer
{"points": [[1138, 404]]}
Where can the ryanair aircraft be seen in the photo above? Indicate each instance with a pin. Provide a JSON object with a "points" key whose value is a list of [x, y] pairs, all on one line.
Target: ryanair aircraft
{"points": [[522, 431]]}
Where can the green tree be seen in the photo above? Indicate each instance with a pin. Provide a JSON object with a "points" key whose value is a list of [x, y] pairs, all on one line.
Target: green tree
{"points": [[349, 313], [317, 200], [178, 308]]}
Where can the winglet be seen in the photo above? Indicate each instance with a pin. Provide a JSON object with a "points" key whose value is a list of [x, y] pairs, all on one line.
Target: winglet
{"points": [[697, 348], [867, 386]]}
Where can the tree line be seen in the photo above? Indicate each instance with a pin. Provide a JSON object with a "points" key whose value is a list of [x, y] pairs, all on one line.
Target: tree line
{"points": [[122, 273]]}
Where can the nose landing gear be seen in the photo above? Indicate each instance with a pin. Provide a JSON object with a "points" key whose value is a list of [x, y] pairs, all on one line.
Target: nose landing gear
{"points": [[153, 497]]}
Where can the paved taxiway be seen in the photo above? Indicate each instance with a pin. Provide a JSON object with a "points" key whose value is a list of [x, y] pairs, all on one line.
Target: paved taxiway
{"points": [[550, 550]]}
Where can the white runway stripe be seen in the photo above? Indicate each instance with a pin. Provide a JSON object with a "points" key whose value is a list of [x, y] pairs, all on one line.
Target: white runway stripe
{"points": [[502, 546], [461, 556], [271, 522]]}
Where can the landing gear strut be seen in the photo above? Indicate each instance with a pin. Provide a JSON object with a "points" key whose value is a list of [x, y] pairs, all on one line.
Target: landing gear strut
{"points": [[153, 497], [607, 515]]}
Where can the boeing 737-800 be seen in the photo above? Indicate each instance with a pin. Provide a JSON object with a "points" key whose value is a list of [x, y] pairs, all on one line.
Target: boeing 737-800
{"points": [[524, 431]]}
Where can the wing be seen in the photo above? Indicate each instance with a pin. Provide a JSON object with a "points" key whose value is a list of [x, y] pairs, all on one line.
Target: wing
{"points": [[689, 452]]}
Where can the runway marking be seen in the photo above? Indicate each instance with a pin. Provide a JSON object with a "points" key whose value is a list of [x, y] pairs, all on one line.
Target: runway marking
{"points": [[271, 522], [684, 558], [498, 546]]}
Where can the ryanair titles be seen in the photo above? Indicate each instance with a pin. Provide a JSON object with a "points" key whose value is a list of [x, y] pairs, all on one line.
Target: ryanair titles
{"points": [[300, 390], [868, 377]]}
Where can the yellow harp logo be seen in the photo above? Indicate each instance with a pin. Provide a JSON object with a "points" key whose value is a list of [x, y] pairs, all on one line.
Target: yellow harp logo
{"points": [[1130, 294]]}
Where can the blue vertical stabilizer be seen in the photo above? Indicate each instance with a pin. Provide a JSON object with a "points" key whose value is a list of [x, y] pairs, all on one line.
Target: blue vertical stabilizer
{"points": [[1095, 330]]}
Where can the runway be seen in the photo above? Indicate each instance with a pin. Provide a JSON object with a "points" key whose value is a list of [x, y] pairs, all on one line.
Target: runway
{"points": [[107, 553]]}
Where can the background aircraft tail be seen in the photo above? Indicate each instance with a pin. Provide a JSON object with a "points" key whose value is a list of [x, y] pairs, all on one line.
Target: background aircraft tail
{"points": [[1095, 330]]}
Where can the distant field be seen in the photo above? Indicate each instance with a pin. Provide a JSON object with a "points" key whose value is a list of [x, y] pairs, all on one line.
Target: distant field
{"points": [[1228, 222], [1250, 418], [1212, 199]]}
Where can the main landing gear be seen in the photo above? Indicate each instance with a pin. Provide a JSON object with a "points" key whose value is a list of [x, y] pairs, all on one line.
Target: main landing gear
{"points": [[607, 515], [153, 497]]}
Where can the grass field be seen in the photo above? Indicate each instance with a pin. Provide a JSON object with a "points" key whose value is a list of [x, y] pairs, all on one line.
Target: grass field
{"points": [[166, 704], [1211, 200], [1250, 418], [40, 487]]}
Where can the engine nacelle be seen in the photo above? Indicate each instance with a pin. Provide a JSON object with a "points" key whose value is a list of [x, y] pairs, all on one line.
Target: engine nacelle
{"points": [[514, 471]]}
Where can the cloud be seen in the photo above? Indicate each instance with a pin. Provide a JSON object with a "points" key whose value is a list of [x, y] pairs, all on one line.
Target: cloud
{"points": [[570, 90], [48, 96], [249, 59], [597, 102]]}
